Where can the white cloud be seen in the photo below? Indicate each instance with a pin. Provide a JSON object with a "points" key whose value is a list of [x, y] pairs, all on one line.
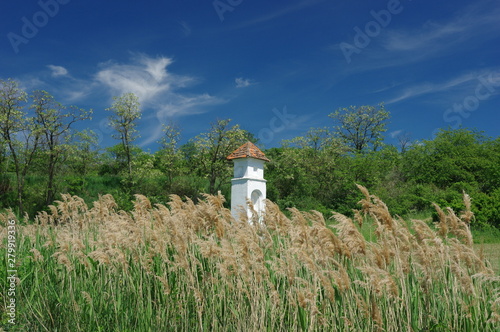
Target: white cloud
{"points": [[146, 78], [431, 34], [243, 82], [162, 94], [395, 133], [290, 8], [476, 21], [58, 71], [151, 81], [464, 83], [470, 28], [156, 87]]}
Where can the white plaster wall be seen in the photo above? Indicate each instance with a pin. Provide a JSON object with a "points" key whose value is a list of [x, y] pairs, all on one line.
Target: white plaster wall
{"points": [[249, 168], [242, 189]]}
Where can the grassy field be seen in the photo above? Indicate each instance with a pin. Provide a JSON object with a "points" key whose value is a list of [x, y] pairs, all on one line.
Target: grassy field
{"points": [[191, 267], [491, 252]]}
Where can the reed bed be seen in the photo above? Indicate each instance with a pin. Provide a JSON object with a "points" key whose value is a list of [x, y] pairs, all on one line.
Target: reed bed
{"points": [[191, 267]]}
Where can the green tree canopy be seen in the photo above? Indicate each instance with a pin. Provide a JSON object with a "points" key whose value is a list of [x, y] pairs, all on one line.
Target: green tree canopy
{"points": [[54, 121], [214, 146], [361, 126], [126, 112]]}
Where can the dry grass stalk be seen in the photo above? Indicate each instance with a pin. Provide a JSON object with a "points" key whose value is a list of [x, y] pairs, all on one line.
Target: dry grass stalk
{"points": [[349, 234], [259, 269], [467, 215]]}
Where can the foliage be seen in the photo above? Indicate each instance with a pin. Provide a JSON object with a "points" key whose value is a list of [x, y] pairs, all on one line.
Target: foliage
{"points": [[84, 152], [361, 126], [19, 133], [126, 111], [43, 155], [54, 121], [212, 148], [169, 157]]}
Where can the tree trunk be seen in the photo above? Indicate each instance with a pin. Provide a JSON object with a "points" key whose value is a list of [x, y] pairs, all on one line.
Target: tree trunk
{"points": [[50, 184], [18, 179], [213, 179]]}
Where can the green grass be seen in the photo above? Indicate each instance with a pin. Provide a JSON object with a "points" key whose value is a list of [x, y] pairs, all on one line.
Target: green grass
{"points": [[486, 239], [486, 234], [491, 252]]}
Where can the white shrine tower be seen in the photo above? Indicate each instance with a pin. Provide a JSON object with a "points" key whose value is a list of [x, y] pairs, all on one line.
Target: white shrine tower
{"points": [[248, 182]]}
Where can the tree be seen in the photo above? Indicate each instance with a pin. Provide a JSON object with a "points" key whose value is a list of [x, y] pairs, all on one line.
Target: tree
{"points": [[315, 140], [114, 160], [169, 155], [404, 140], [456, 160], [213, 147], [19, 132], [305, 171], [360, 127], [54, 122], [85, 151], [126, 111], [453, 156]]}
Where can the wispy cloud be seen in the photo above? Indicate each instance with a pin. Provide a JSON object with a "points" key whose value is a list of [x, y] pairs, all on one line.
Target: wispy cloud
{"points": [[290, 8], [58, 81], [158, 89], [430, 35], [460, 84], [150, 79], [58, 71], [437, 36], [395, 133], [243, 82], [162, 93], [469, 28]]}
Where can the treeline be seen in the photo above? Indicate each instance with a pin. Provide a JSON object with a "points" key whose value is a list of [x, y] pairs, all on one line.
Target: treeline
{"points": [[408, 180], [42, 155]]}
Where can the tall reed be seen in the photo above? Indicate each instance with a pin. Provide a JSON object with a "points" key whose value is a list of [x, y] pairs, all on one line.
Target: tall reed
{"points": [[190, 266]]}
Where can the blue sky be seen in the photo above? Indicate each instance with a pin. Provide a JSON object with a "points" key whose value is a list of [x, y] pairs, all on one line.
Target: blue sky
{"points": [[276, 68]]}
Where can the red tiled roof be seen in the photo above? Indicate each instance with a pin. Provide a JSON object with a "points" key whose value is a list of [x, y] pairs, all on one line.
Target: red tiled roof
{"points": [[248, 150]]}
